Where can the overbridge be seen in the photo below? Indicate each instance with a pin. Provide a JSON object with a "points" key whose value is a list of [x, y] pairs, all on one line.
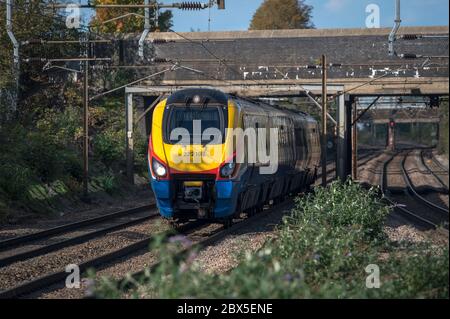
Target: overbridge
{"points": [[280, 62]]}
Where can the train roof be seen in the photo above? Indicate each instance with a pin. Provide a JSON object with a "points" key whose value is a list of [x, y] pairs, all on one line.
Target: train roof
{"points": [[205, 94], [282, 110], [211, 95]]}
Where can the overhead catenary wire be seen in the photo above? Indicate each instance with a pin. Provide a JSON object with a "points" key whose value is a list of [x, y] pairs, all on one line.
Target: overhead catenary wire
{"points": [[173, 68]]}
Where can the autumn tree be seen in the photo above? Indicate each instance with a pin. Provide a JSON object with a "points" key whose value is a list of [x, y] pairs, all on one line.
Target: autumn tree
{"points": [[133, 23], [282, 14]]}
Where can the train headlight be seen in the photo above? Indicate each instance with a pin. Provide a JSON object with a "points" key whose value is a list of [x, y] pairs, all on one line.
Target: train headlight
{"points": [[158, 168], [227, 169], [196, 99]]}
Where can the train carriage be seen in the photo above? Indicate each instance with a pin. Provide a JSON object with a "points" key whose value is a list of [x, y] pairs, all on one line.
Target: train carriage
{"points": [[201, 168]]}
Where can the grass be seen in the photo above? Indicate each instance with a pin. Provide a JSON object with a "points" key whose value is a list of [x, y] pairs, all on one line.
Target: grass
{"points": [[321, 250]]}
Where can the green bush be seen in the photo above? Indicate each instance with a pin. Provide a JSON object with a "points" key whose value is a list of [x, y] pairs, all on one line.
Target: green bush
{"points": [[109, 182], [15, 179], [321, 251], [109, 147], [44, 157], [443, 129], [3, 210], [141, 154]]}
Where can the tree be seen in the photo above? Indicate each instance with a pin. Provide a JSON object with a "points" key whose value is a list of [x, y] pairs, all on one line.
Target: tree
{"points": [[129, 24], [282, 14], [30, 20]]}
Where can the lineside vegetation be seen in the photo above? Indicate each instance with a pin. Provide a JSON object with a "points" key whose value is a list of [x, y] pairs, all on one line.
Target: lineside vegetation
{"points": [[321, 250]]}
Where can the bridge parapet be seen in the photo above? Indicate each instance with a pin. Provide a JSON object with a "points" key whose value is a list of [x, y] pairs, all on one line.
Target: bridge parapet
{"points": [[291, 57]]}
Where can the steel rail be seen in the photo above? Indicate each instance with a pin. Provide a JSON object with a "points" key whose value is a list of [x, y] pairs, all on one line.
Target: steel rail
{"points": [[59, 277], [412, 190], [127, 283], [370, 155], [72, 241], [402, 210], [15, 241], [422, 159], [437, 162]]}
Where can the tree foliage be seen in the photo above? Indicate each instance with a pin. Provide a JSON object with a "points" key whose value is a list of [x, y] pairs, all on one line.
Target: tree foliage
{"points": [[282, 14], [30, 20], [130, 24]]}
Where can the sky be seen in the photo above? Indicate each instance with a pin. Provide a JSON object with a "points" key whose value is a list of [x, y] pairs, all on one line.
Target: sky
{"points": [[326, 14]]}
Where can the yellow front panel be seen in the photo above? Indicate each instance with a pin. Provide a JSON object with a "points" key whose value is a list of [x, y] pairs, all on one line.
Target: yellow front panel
{"points": [[191, 158]]}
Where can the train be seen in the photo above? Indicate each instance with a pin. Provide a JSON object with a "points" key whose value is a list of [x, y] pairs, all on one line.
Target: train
{"points": [[214, 155]]}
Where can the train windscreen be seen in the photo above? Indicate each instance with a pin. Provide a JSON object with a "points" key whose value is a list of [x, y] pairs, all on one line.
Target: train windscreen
{"points": [[180, 122]]}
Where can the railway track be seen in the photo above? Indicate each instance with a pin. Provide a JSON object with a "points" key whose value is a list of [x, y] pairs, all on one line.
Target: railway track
{"points": [[129, 281], [9, 248], [439, 164], [58, 277], [418, 210], [141, 276], [26, 239], [413, 191], [362, 160], [435, 168], [28, 247]]}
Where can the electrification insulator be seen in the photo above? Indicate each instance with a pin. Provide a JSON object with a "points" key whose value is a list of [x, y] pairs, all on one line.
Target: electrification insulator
{"points": [[159, 41], [34, 41], [160, 60], [410, 37], [409, 56], [312, 66], [35, 60], [335, 65], [191, 6]]}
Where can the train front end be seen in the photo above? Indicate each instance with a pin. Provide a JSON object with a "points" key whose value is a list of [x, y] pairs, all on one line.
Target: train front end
{"points": [[190, 156]]}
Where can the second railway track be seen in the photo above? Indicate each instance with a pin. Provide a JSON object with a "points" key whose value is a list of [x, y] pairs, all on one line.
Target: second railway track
{"points": [[411, 205]]}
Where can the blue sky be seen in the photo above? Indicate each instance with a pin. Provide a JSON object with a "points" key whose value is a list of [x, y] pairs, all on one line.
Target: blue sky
{"points": [[326, 14]]}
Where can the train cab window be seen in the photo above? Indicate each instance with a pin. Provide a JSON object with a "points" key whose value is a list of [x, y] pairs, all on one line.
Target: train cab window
{"points": [[184, 117]]}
